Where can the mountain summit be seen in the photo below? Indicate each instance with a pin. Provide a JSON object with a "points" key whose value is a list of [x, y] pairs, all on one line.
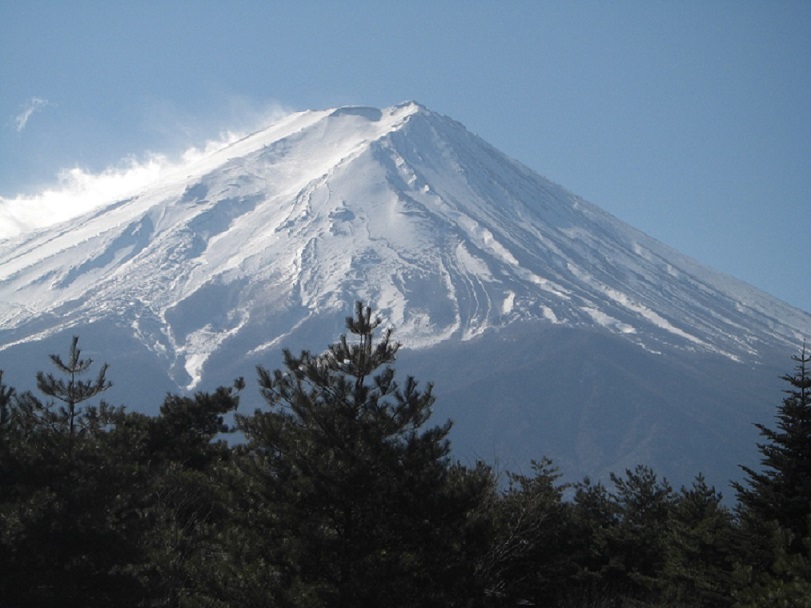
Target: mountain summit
{"points": [[266, 244]]}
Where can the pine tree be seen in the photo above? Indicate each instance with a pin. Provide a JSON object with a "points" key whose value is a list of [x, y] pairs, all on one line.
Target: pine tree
{"points": [[7, 466], [533, 544], [700, 553], [782, 491], [183, 506], [59, 498], [638, 543], [110, 508], [621, 539], [787, 582], [596, 519], [6, 393], [72, 391], [354, 496]]}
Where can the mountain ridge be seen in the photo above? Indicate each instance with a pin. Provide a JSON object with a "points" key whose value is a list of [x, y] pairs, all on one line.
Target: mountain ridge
{"points": [[266, 241], [421, 195]]}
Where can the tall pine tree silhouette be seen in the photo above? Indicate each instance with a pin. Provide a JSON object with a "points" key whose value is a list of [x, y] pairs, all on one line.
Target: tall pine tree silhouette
{"points": [[361, 504], [72, 390], [781, 492]]}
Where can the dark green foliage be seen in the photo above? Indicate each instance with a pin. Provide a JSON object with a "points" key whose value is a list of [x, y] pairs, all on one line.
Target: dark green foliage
{"points": [[71, 390], [782, 491], [6, 393], [6, 409], [700, 557], [344, 495], [639, 540], [187, 427], [59, 497], [361, 505], [623, 542], [187, 507], [100, 507], [775, 503], [531, 548], [596, 519], [786, 582]]}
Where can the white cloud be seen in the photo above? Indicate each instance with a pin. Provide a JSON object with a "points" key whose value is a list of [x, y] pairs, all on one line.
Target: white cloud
{"points": [[36, 103], [78, 190]]}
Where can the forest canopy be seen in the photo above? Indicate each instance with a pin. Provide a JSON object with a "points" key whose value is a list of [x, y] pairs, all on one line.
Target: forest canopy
{"points": [[342, 492]]}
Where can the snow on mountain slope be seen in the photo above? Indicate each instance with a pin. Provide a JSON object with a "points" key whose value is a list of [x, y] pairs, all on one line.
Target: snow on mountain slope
{"points": [[400, 207]]}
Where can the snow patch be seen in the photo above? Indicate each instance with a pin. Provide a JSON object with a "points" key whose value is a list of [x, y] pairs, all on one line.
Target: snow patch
{"points": [[509, 302], [402, 208], [608, 321], [549, 314], [472, 264]]}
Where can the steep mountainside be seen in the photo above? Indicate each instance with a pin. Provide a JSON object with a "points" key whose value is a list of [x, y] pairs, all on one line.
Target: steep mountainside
{"points": [[267, 243]]}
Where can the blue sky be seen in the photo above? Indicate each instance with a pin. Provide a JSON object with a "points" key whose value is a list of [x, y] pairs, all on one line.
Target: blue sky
{"points": [[689, 120]]}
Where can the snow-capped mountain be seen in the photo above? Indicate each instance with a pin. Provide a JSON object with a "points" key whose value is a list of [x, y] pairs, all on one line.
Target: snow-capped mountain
{"points": [[267, 243]]}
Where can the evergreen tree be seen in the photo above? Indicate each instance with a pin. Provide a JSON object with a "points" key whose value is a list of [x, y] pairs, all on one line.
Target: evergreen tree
{"points": [[532, 547], [596, 518], [6, 476], [781, 492], [101, 507], [786, 582], [72, 391], [355, 499], [6, 393], [59, 501], [621, 540], [700, 550], [644, 507], [186, 514]]}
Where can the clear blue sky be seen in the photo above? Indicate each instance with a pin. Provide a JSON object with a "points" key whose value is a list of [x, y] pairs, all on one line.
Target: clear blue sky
{"points": [[689, 120]]}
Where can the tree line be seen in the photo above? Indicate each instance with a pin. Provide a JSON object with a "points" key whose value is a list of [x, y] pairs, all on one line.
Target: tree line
{"points": [[342, 492]]}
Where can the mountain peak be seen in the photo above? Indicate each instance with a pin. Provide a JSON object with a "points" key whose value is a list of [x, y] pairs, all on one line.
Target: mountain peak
{"points": [[550, 326], [445, 235], [405, 108]]}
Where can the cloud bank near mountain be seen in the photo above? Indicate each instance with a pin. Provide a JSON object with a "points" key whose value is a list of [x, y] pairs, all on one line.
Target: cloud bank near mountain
{"points": [[78, 190]]}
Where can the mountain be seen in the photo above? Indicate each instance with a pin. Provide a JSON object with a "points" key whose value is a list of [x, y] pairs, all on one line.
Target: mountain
{"points": [[550, 327]]}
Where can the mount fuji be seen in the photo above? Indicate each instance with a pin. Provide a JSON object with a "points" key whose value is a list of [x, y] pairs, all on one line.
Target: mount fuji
{"points": [[549, 326]]}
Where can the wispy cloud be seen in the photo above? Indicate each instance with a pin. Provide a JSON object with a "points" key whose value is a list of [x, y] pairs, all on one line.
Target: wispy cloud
{"points": [[33, 105], [78, 190]]}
